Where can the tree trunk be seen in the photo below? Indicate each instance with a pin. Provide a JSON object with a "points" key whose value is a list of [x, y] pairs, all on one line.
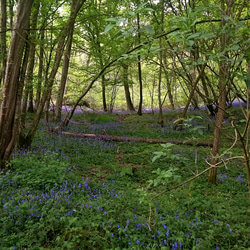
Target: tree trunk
{"points": [[76, 5], [40, 72], [160, 115], [169, 89], [64, 77], [139, 112], [179, 124], [10, 108], [11, 6], [130, 106], [23, 95], [47, 109], [3, 39], [219, 122], [104, 102], [223, 75], [32, 44]]}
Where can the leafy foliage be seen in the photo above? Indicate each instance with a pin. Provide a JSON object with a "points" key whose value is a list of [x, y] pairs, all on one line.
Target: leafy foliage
{"points": [[71, 193]]}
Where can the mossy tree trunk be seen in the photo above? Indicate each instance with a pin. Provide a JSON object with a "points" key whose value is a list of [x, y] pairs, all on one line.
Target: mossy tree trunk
{"points": [[12, 89]]}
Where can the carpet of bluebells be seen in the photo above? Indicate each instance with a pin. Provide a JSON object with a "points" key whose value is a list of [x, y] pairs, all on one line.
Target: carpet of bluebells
{"points": [[72, 193]]}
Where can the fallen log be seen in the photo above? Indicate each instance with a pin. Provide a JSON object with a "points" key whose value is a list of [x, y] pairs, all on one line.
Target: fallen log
{"points": [[136, 139]]}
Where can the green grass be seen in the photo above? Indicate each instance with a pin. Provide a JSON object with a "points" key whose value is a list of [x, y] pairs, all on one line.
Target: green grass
{"points": [[78, 193]]}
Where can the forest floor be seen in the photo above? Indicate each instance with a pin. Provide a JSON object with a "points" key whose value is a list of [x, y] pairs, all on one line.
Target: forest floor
{"points": [[69, 192]]}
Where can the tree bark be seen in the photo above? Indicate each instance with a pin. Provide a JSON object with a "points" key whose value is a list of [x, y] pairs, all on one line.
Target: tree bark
{"points": [[104, 101], [29, 77], [10, 108], [130, 106], [40, 71], [160, 115], [3, 39], [160, 103], [76, 5], [179, 124], [169, 88], [11, 6], [64, 77], [223, 75], [139, 112]]}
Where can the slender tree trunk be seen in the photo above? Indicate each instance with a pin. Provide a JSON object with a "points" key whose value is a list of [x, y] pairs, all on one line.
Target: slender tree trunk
{"points": [[64, 77], [169, 89], [29, 75], [47, 109], [30, 69], [40, 72], [184, 112], [223, 75], [139, 112], [130, 106], [23, 95], [10, 108], [160, 116], [219, 122], [3, 39], [11, 6], [104, 101], [76, 5]]}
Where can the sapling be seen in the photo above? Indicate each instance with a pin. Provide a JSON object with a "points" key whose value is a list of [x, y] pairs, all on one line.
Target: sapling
{"points": [[194, 131]]}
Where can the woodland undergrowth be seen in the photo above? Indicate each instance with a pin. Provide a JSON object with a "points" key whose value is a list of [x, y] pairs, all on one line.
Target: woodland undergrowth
{"points": [[83, 193]]}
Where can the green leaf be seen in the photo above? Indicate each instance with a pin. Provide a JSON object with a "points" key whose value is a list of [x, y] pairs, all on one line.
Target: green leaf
{"points": [[208, 35], [149, 29], [131, 13], [140, 7], [178, 120], [189, 43], [167, 145], [195, 35], [112, 19], [158, 155], [108, 28], [242, 120], [247, 81], [148, 9]]}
